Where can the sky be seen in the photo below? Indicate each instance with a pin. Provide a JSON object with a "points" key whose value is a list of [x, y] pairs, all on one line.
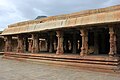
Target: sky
{"points": [[13, 11]]}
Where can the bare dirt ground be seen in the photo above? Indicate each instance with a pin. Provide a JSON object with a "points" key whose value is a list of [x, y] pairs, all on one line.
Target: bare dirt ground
{"points": [[17, 70]]}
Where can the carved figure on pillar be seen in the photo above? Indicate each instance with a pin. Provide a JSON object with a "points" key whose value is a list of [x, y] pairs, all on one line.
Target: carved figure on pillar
{"points": [[112, 41], [84, 48], [60, 42]]}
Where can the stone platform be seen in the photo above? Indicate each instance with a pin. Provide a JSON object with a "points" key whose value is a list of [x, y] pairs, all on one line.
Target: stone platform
{"points": [[88, 62]]}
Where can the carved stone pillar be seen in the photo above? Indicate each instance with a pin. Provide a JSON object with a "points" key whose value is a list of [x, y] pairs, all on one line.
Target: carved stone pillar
{"points": [[84, 48], [8, 43], [51, 42], [20, 47], [60, 42], [35, 46], [74, 43], [112, 41]]}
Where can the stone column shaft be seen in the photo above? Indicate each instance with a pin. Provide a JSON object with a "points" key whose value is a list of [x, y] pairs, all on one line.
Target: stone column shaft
{"points": [[8, 43], [20, 47], [112, 41], [60, 42], [84, 48], [35, 46]]}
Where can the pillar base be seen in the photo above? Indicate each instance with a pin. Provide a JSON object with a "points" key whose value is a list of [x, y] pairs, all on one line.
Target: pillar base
{"points": [[111, 54], [59, 52], [83, 54]]}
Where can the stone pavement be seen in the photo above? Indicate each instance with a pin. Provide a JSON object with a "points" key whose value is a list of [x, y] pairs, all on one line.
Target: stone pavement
{"points": [[17, 70]]}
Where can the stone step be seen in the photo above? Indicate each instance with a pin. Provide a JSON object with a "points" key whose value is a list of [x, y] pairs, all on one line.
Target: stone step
{"points": [[72, 61], [80, 65], [69, 60]]}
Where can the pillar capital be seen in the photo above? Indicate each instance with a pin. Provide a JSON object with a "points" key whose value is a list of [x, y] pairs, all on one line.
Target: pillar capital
{"points": [[59, 33]]}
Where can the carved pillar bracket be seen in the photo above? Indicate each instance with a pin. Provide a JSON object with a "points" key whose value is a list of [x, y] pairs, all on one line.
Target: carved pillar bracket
{"points": [[8, 43], [20, 47], [60, 42], [84, 48], [112, 41], [35, 46]]}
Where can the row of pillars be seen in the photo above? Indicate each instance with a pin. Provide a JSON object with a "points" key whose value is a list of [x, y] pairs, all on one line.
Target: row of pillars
{"points": [[60, 50]]}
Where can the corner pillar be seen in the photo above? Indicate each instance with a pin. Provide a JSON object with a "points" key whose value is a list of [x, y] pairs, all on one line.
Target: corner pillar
{"points": [[60, 42], [84, 48]]}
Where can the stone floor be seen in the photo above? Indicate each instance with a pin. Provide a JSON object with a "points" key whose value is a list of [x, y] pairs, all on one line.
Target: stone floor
{"points": [[17, 70]]}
